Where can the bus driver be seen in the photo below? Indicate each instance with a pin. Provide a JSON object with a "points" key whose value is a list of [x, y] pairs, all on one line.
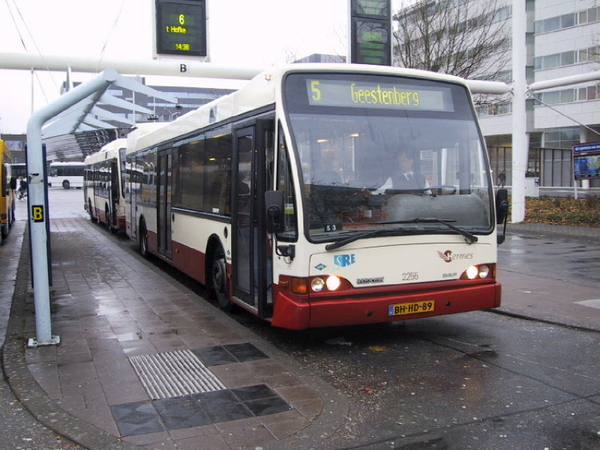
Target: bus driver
{"points": [[405, 178]]}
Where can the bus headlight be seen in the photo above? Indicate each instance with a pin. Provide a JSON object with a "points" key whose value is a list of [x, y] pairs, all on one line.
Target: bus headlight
{"points": [[484, 271], [474, 272], [317, 284], [332, 283]]}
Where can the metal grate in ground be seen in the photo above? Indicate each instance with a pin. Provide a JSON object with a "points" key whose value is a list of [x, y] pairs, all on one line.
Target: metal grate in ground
{"points": [[174, 374]]}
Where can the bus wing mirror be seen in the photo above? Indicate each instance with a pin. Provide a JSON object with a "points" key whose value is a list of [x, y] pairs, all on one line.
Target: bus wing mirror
{"points": [[501, 205], [502, 212], [274, 211]]}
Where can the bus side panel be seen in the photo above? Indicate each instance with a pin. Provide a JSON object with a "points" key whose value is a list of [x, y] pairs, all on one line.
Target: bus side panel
{"points": [[149, 215], [120, 219], [152, 242], [190, 261]]}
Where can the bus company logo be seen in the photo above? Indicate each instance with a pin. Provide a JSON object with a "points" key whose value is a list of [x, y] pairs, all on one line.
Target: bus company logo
{"points": [[448, 256], [374, 280], [344, 260], [320, 266]]}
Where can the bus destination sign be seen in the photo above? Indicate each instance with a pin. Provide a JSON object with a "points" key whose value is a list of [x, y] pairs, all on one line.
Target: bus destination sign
{"points": [[377, 95], [181, 27]]}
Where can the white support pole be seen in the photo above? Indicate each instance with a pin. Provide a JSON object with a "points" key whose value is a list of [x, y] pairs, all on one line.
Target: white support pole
{"points": [[38, 215], [520, 139]]}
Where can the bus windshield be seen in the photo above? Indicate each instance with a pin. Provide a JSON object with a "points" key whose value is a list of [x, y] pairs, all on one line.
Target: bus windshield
{"points": [[378, 152]]}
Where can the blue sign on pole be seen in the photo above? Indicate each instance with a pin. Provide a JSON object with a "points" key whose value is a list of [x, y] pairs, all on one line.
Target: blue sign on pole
{"points": [[586, 161]]}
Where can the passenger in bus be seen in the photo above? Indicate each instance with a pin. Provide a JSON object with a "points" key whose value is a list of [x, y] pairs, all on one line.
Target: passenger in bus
{"points": [[405, 177]]}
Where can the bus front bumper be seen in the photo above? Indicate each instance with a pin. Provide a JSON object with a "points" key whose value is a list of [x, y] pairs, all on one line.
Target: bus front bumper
{"points": [[292, 314]]}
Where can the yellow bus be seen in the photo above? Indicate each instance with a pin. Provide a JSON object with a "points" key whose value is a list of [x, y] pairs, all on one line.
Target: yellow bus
{"points": [[7, 192]]}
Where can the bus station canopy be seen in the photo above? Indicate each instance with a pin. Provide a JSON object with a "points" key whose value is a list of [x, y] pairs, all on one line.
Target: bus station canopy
{"points": [[87, 126]]}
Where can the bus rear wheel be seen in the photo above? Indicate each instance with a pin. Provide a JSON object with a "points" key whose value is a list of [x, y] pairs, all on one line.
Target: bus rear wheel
{"points": [[143, 239], [217, 282], [66, 184], [108, 217]]}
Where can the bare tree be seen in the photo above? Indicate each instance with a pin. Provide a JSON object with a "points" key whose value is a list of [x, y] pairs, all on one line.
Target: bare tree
{"points": [[467, 38]]}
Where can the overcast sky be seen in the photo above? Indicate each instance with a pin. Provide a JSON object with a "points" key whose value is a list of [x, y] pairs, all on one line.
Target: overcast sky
{"points": [[257, 32]]}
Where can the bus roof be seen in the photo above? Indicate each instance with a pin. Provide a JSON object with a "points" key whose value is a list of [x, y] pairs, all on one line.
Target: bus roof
{"points": [[65, 163], [108, 151], [261, 91]]}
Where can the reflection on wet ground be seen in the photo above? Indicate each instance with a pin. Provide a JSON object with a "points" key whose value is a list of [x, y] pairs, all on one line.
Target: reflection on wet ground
{"points": [[551, 258]]}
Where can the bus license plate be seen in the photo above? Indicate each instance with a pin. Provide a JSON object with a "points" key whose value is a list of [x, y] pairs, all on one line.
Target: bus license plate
{"points": [[401, 309]]}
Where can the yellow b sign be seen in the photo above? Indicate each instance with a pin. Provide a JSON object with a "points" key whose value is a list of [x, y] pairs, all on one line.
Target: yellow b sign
{"points": [[37, 213]]}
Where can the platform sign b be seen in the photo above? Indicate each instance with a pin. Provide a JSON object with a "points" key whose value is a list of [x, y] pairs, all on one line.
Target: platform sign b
{"points": [[37, 213]]}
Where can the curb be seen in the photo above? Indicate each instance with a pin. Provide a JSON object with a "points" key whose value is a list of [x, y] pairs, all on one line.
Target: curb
{"points": [[28, 391]]}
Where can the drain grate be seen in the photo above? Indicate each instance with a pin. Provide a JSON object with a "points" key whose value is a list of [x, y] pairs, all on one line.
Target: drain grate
{"points": [[174, 374]]}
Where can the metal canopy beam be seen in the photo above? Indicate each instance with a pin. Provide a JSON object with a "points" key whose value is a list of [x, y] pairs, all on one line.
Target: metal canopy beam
{"points": [[28, 61], [37, 201]]}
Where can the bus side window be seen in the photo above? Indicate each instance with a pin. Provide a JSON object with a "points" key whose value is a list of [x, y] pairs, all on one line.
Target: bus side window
{"points": [[285, 183], [269, 158]]}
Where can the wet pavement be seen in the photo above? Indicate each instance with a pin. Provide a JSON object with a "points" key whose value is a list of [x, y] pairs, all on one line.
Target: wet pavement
{"points": [[144, 362], [551, 273]]}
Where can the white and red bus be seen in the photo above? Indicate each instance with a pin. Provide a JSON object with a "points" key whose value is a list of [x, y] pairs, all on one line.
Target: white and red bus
{"points": [[278, 197], [103, 193]]}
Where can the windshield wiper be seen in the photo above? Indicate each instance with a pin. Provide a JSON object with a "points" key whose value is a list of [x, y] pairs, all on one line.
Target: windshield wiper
{"points": [[469, 237], [356, 237]]}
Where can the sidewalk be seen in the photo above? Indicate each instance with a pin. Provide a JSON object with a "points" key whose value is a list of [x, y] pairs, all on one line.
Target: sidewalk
{"points": [[127, 328], [133, 343], [539, 297]]}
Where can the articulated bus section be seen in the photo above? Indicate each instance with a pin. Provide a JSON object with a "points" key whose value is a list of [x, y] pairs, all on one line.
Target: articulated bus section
{"points": [[103, 193], [321, 195]]}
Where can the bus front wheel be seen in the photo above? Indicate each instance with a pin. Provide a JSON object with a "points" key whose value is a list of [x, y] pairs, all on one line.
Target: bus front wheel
{"points": [[217, 283]]}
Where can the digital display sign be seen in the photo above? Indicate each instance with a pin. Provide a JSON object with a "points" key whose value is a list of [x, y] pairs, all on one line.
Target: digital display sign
{"points": [[378, 95], [181, 27], [371, 32], [373, 8], [372, 43]]}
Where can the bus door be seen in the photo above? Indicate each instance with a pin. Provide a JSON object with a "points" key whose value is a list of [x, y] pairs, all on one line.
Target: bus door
{"points": [[133, 186], [114, 191], [251, 266], [165, 163]]}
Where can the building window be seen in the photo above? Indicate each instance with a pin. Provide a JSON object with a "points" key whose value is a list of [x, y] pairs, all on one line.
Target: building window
{"points": [[561, 138], [590, 15]]}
